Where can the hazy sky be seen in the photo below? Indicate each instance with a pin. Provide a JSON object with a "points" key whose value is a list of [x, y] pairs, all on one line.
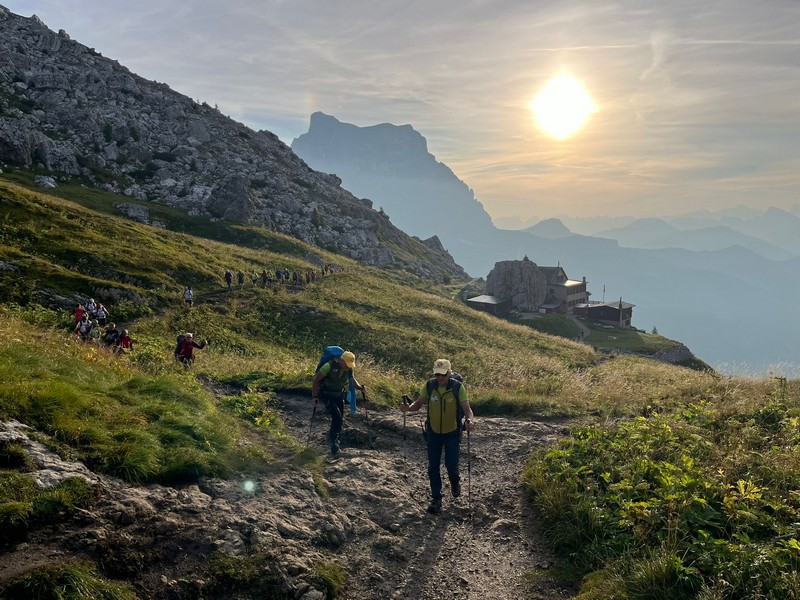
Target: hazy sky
{"points": [[698, 103]]}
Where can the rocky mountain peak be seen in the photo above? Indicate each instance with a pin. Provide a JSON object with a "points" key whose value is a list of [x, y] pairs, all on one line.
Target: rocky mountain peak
{"points": [[392, 162], [66, 109]]}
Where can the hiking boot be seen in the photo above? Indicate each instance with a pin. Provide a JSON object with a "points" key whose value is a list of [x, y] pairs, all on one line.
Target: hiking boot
{"points": [[435, 506], [455, 488], [334, 450]]}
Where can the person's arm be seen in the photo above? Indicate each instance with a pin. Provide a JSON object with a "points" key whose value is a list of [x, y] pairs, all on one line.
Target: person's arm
{"points": [[421, 400], [315, 383], [469, 416], [358, 385]]}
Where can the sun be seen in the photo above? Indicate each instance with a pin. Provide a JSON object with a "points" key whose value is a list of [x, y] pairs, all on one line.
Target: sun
{"points": [[562, 107]]}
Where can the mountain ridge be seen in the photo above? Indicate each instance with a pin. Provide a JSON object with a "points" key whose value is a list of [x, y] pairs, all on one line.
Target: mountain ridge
{"points": [[68, 111]]}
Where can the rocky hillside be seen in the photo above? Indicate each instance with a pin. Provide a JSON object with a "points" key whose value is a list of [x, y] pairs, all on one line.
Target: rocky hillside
{"points": [[70, 112]]}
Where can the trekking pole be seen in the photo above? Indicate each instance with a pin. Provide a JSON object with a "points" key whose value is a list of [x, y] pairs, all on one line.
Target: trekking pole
{"points": [[311, 424], [407, 402], [469, 475], [366, 416]]}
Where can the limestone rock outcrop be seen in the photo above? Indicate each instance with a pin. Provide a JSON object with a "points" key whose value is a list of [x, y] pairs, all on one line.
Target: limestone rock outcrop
{"points": [[520, 280]]}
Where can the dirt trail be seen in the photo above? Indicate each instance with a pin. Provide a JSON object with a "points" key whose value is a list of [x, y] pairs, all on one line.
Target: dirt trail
{"points": [[373, 523], [461, 553]]}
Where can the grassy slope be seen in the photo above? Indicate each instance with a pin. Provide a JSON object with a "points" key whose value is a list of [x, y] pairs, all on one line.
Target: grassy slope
{"points": [[266, 340]]}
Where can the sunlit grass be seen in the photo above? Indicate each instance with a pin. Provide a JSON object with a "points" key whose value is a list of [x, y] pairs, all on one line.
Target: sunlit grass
{"points": [[120, 421]]}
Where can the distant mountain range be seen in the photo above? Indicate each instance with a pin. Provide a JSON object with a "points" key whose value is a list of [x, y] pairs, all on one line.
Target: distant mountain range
{"points": [[726, 285], [657, 233]]}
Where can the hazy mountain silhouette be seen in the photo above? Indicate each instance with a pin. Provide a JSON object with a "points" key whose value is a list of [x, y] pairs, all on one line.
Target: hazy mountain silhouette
{"points": [[391, 164], [729, 305], [550, 229], [780, 228], [657, 233]]}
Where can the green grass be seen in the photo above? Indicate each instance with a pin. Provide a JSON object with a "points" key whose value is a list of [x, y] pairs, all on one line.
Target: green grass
{"points": [[684, 483], [552, 323], [73, 581], [255, 575], [23, 504], [119, 421], [669, 506], [630, 340]]}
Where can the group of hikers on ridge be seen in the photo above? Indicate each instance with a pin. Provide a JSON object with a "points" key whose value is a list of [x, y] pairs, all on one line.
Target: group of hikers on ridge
{"points": [[280, 276], [448, 414], [265, 278]]}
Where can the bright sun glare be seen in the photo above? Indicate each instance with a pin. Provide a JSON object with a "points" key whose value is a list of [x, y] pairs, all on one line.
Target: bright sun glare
{"points": [[562, 107]]}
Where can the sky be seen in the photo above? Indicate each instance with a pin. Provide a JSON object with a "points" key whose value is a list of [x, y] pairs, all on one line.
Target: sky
{"points": [[697, 104]]}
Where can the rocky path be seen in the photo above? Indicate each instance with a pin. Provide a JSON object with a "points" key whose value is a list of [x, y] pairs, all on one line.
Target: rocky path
{"points": [[480, 546], [372, 520]]}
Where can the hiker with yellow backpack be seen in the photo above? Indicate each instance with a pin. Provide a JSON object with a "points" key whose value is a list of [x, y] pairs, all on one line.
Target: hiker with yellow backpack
{"points": [[447, 403]]}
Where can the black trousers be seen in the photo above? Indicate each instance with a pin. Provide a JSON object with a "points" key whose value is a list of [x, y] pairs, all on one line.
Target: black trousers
{"points": [[335, 405]]}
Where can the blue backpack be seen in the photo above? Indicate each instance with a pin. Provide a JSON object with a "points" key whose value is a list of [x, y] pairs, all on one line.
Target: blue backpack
{"points": [[334, 352]]}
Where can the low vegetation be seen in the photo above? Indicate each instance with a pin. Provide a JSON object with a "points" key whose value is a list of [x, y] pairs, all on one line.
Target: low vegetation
{"points": [[674, 483], [698, 502]]}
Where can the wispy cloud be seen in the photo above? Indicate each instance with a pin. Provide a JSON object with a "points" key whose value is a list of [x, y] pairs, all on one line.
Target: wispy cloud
{"points": [[697, 103]]}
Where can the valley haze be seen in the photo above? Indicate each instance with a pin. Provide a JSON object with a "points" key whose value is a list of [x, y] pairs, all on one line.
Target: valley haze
{"points": [[723, 284]]}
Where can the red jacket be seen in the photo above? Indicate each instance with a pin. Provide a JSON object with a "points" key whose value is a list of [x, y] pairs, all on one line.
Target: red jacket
{"points": [[188, 346]]}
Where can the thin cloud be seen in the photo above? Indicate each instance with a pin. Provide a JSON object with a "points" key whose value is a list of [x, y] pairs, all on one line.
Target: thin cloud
{"points": [[697, 103]]}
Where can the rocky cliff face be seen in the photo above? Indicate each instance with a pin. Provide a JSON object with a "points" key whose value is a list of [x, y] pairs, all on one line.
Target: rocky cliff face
{"points": [[520, 280], [67, 110], [392, 163]]}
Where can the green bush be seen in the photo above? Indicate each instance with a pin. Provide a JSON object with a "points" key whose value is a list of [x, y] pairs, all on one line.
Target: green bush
{"points": [[661, 503]]}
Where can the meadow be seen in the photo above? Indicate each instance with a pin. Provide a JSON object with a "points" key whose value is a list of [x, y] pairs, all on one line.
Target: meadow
{"points": [[673, 482]]}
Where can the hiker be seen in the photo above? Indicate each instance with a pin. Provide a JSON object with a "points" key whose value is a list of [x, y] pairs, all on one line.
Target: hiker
{"points": [[79, 312], [330, 383], [446, 398], [264, 278], [254, 278], [188, 296], [111, 335], [124, 343], [184, 352], [240, 279], [91, 308], [102, 314], [94, 332], [229, 279], [84, 328]]}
